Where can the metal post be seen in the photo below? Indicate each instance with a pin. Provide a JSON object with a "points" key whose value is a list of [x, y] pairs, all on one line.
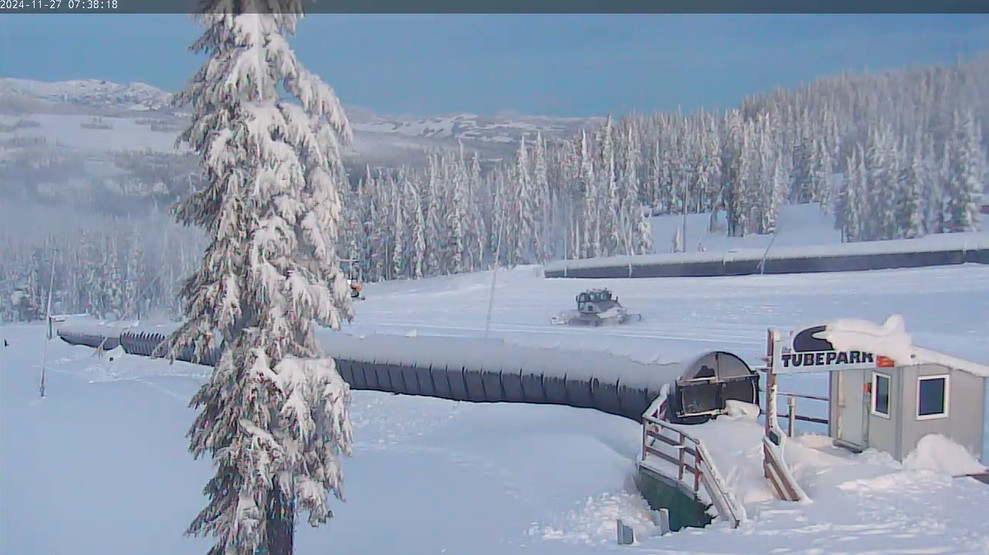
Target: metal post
{"points": [[769, 376], [684, 223], [48, 318], [645, 436], [494, 280], [791, 404], [51, 287], [664, 522], [626, 536]]}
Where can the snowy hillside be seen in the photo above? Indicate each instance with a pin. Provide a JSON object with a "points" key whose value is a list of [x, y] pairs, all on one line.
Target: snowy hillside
{"points": [[87, 93], [473, 127], [799, 225], [100, 465], [55, 136], [117, 97]]}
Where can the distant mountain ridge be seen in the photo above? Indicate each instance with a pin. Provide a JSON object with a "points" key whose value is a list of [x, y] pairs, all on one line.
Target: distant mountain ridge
{"points": [[91, 93], [107, 98], [113, 145]]}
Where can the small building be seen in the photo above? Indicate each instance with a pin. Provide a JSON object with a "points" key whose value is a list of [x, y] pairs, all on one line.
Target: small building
{"points": [[984, 204], [891, 409], [887, 394]]}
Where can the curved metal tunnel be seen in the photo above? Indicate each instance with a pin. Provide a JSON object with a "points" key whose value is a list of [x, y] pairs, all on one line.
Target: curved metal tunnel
{"points": [[480, 371]]}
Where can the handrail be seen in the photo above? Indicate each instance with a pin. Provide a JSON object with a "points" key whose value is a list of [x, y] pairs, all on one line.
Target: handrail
{"points": [[804, 396], [762, 263], [785, 486], [700, 466], [791, 416]]}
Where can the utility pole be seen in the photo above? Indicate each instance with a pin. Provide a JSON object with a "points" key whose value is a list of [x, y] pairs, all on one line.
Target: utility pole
{"points": [[683, 224], [48, 320], [494, 280]]}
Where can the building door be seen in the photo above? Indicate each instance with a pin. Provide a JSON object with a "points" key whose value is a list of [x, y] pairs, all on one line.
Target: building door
{"points": [[852, 399]]}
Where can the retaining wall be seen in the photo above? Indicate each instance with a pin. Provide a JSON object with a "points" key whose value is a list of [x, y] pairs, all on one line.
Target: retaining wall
{"points": [[791, 260]]}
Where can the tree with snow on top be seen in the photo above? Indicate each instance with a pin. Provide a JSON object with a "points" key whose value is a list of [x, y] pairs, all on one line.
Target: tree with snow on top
{"points": [[274, 414]]}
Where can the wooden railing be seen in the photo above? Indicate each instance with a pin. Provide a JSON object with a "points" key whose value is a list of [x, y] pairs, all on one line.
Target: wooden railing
{"points": [[774, 467], [775, 470], [694, 465]]}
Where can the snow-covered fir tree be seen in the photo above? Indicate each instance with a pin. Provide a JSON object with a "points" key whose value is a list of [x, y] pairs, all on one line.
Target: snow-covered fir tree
{"points": [[274, 413], [417, 240], [910, 218], [588, 226], [543, 215], [968, 174]]}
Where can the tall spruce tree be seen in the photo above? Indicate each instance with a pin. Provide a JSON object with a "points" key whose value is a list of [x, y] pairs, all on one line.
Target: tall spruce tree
{"points": [[274, 413]]}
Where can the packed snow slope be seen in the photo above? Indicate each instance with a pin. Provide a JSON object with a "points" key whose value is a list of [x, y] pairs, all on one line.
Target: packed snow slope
{"points": [[943, 307], [100, 466]]}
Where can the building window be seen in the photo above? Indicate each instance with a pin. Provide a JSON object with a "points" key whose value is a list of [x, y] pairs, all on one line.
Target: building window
{"points": [[880, 395], [932, 397]]}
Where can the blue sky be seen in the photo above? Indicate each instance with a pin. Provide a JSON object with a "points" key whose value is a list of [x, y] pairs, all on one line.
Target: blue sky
{"points": [[536, 64]]}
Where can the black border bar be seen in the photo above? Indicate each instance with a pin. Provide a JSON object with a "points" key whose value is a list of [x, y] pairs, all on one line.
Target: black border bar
{"points": [[523, 6]]}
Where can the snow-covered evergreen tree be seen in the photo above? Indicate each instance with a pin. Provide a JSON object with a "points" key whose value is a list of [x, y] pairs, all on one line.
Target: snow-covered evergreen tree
{"points": [[609, 206], [273, 415], [398, 225], [417, 241], [588, 227], [780, 184], [968, 174], [911, 216], [635, 225], [476, 197], [430, 196], [543, 206], [853, 199]]}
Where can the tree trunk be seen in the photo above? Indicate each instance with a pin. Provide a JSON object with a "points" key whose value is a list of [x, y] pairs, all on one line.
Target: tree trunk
{"points": [[281, 524]]}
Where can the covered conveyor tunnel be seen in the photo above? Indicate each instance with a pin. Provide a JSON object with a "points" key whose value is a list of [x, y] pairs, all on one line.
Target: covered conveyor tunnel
{"points": [[491, 371]]}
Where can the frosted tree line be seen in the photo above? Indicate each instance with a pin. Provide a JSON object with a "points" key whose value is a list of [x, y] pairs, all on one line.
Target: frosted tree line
{"points": [[897, 154], [451, 217], [114, 268]]}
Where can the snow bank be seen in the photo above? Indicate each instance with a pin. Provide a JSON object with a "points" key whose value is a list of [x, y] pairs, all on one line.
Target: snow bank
{"points": [[741, 410], [940, 453]]}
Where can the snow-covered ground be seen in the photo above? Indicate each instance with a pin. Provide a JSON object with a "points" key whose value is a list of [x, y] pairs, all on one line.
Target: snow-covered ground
{"points": [[67, 131], [799, 225], [803, 226], [99, 466]]}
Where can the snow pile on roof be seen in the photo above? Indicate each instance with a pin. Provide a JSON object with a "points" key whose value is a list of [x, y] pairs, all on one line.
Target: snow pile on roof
{"points": [[891, 340], [940, 453]]}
